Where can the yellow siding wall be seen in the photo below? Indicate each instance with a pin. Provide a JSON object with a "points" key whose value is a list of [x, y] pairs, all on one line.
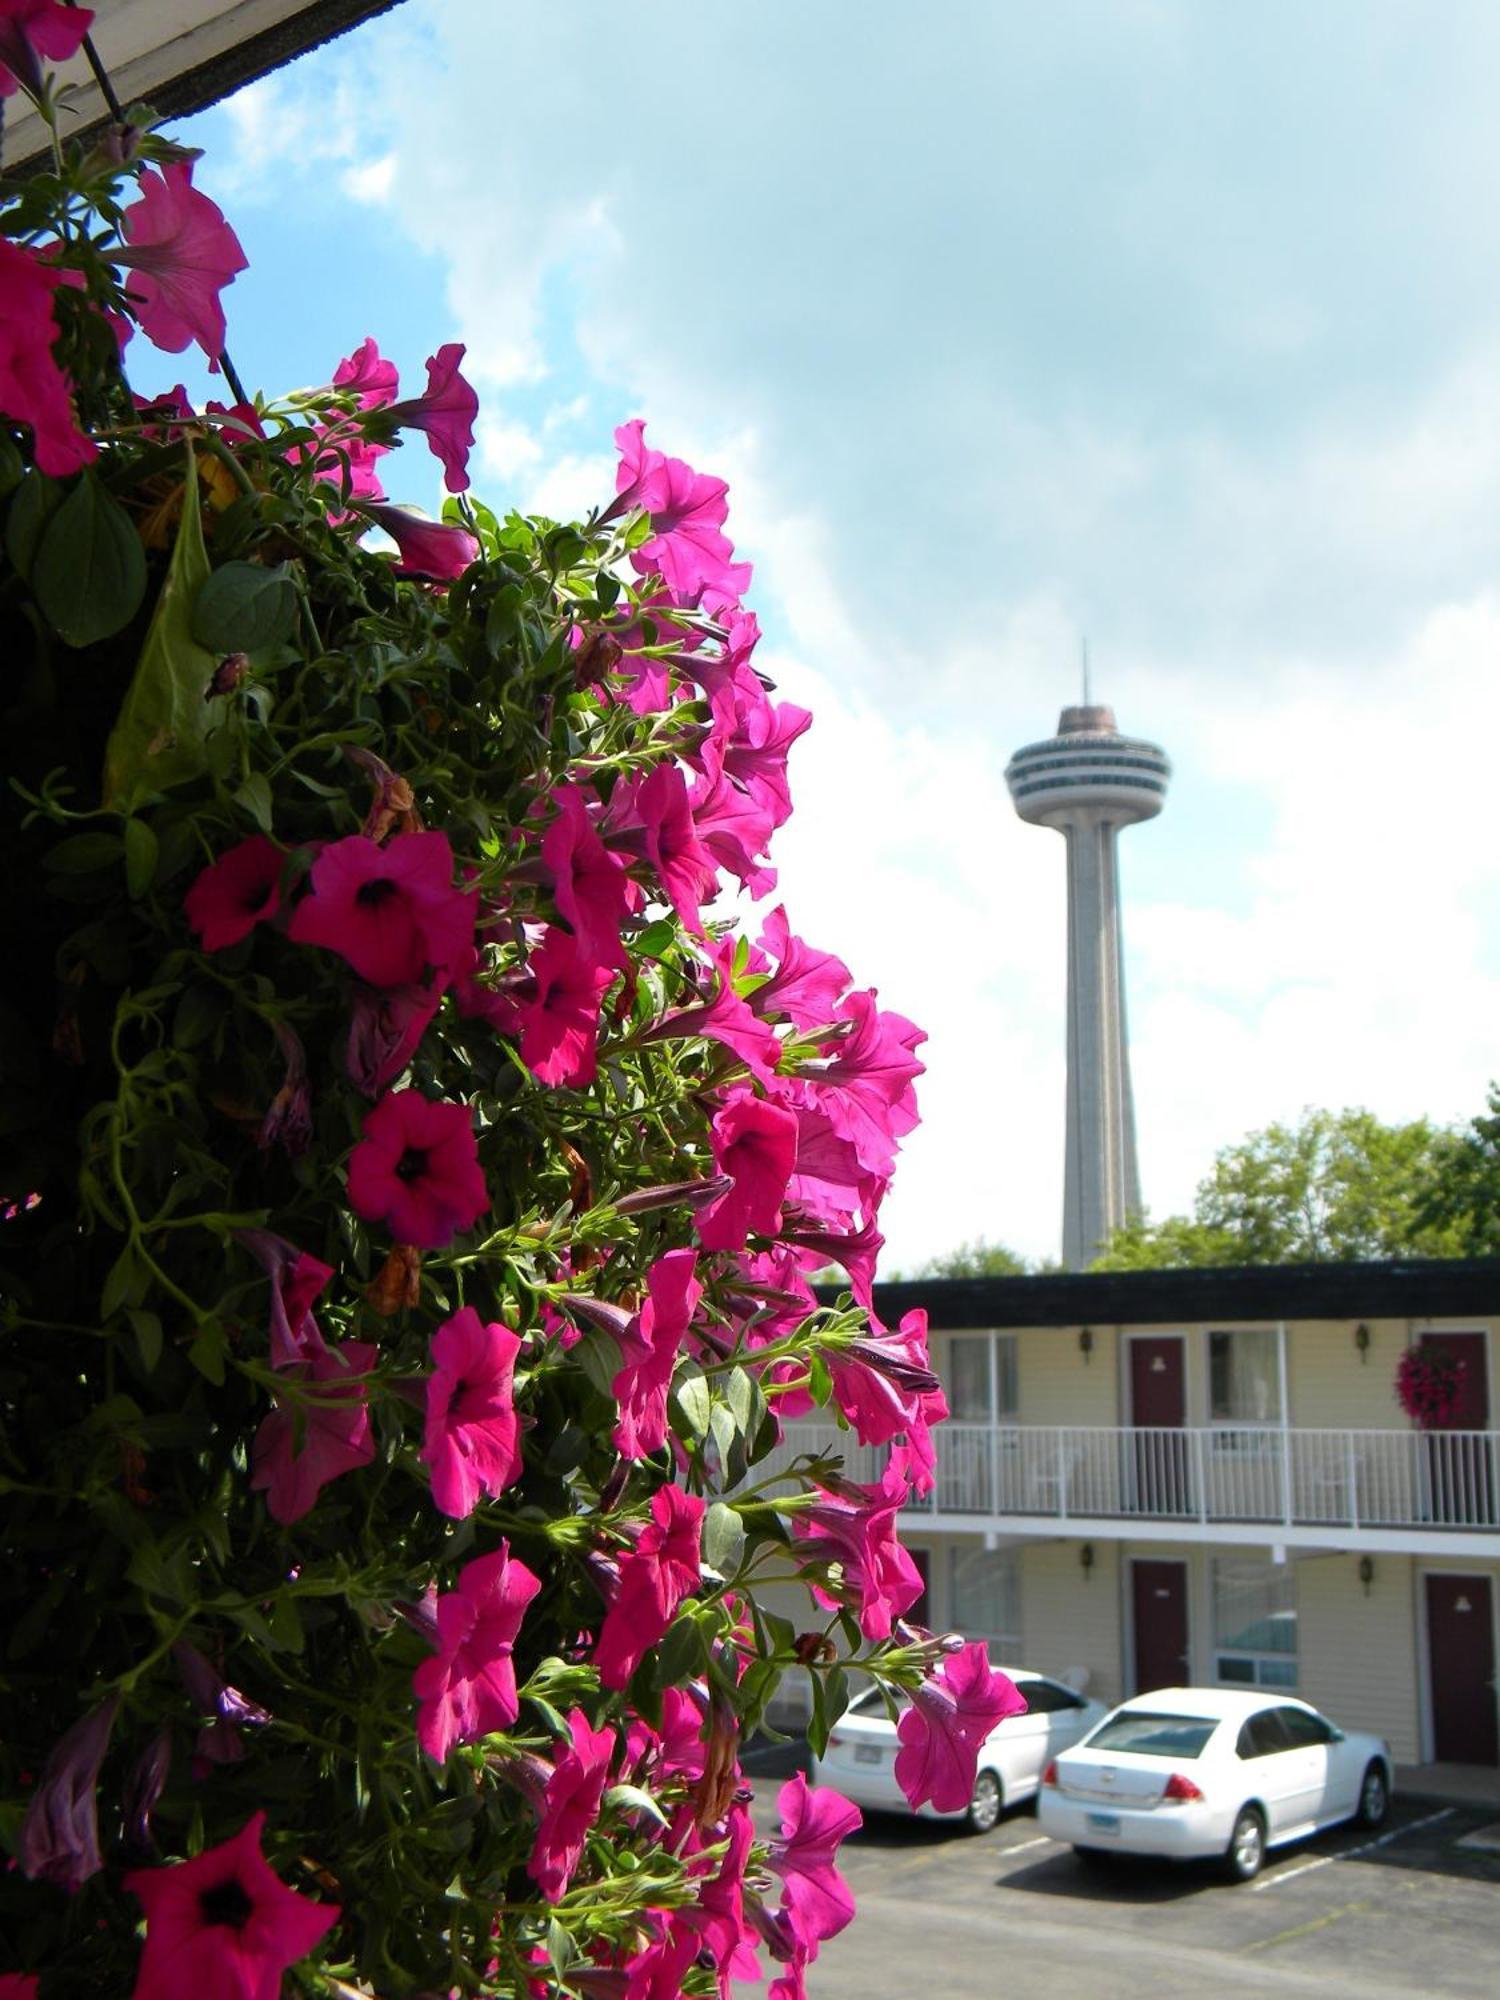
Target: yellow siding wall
{"points": [[1056, 1385], [1357, 1654], [1069, 1619], [1331, 1388]]}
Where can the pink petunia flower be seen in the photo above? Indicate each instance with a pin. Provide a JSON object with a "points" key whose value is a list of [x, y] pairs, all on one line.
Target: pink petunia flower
{"points": [[574, 1790], [816, 1898], [416, 1169], [687, 546], [31, 29], [324, 1433], [854, 1528], [235, 893], [296, 1280], [366, 372], [446, 414], [392, 912], [649, 1350], [807, 984], [33, 389], [559, 1024], [755, 1143], [724, 1018], [473, 1440], [181, 255], [593, 893], [59, 1837], [654, 814], [436, 550], [19, 1985], [468, 1688], [661, 1570], [223, 1923], [951, 1713], [224, 1709]]}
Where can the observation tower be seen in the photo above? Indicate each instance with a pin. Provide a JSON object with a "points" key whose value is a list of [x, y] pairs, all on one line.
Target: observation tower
{"points": [[1088, 781]]}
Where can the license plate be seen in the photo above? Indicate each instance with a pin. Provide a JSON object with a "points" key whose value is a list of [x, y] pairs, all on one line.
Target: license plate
{"points": [[1104, 1822], [867, 1753]]}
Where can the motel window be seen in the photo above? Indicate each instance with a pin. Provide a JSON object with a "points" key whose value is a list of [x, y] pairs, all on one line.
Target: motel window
{"points": [[985, 1598], [981, 1383], [1244, 1376], [1255, 1623]]}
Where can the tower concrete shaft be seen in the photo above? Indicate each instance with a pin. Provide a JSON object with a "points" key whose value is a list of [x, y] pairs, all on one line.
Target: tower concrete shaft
{"points": [[1087, 782]]}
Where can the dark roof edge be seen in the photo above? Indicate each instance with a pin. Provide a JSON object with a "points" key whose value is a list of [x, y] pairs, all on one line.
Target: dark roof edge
{"points": [[1401, 1288], [221, 75]]}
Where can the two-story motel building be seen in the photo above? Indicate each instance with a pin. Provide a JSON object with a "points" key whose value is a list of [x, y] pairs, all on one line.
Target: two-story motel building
{"points": [[1158, 1477]]}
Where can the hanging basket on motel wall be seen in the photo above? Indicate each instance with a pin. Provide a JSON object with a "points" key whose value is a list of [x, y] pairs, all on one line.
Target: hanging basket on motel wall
{"points": [[1429, 1386]]}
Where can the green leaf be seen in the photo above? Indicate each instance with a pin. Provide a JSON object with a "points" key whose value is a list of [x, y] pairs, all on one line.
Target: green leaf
{"points": [[142, 852], [159, 734], [36, 500], [122, 1283], [89, 573], [83, 853], [207, 1352], [12, 468], [148, 1336], [286, 1624], [255, 796], [680, 1657], [696, 1403], [725, 1431], [243, 607], [636, 1800], [739, 1393], [723, 1539]]}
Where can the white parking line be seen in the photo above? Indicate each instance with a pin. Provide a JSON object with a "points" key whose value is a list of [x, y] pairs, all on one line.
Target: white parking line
{"points": [[1042, 1840], [1352, 1853]]}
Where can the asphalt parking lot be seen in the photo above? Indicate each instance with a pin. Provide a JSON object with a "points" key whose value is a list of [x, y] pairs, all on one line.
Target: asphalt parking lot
{"points": [[1412, 1911]]}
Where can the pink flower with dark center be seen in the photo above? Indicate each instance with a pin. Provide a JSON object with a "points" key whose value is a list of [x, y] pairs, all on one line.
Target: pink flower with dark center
{"points": [[235, 893], [59, 1837], [317, 1435], [473, 1440], [31, 29], [446, 414], [649, 1350], [223, 1923], [296, 1280], [574, 1791], [852, 1528], [416, 1169], [755, 1143], [436, 550], [33, 389], [182, 254], [468, 1688], [392, 912], [816, 1898], [593, 893], [655, 1576], [559, 1024], [951, 1713], [385, 1029]]}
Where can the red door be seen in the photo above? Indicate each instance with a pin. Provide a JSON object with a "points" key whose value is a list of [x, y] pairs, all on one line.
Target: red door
{"points": [[1461, 1666], [1158, 1408], [1159, 1597], [1461, 1470]]}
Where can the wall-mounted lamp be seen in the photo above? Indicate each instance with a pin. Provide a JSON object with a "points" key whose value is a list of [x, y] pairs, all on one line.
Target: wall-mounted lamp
{"points": [[1085, 1342], [1367, 1572], [1086, 1560], [1362, 1341]]}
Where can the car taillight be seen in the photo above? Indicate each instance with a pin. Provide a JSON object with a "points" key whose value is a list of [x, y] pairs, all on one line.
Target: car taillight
{"points": [[1180, 1791], [1049, 1776], [837, 1742]]}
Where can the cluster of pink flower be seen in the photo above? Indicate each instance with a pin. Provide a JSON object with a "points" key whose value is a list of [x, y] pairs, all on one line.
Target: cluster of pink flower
{"points": [[1430, 1386], [803, 1137]]}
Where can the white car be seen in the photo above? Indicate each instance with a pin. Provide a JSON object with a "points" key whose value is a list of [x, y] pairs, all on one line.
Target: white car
{"points": [[860, 1758], [1186, 1773]]}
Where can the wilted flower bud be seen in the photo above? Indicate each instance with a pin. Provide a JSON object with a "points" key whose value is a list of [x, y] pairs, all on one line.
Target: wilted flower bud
{"points": [[230, 671], [60, 1833]]}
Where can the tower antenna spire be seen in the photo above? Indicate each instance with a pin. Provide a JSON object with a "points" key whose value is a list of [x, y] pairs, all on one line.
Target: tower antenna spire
{"points": [[1088, 688]]}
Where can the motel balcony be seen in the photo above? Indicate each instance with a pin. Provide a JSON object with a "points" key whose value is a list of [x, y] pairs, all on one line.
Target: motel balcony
{"points": [[1432, 1493]]}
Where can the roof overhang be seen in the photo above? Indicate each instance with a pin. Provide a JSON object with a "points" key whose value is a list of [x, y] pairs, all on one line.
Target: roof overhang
{"points": [[179, 56]]}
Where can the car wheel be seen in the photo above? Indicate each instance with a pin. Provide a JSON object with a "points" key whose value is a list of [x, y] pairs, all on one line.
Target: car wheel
{"points": [[1247, 1845], [985, 1807], [1374, 1797]]}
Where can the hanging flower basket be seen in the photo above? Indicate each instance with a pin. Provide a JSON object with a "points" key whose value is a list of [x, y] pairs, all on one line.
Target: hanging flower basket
{"points": [[1429, 1386]]}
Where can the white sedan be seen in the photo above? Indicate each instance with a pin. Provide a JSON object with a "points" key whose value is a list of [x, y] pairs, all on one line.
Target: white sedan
{"points": [[861, 1754], [1186, 1773]]}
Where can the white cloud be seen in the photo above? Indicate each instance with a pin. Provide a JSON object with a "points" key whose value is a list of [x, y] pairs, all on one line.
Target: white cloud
{"points": [[372, 180]]}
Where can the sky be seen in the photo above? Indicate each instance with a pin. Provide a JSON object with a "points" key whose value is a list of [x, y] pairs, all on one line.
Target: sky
{"points": [[1171, 323]]}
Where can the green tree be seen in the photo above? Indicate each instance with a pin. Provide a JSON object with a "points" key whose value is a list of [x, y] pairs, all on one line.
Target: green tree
{"points": [[977, 1259], [1462, 1196], [1337, 1186]]}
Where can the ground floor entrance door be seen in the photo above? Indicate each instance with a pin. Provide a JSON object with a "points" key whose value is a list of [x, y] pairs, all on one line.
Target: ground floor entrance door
{"points": [[1160, 1619], [1461, 1669]]}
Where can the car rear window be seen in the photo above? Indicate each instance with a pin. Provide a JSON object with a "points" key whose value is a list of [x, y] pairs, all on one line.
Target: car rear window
{"points": [[1139, 1734]]}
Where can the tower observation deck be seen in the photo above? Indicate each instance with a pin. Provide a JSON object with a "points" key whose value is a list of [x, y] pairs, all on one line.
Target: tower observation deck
{"points": [[1088, 781]]}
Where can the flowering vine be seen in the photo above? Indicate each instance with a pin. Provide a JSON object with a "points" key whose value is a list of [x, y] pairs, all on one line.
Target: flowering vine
{"points": [[415, 1166]]}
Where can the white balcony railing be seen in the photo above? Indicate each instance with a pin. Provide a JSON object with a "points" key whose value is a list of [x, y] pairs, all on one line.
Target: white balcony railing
{"points": [[1448, 1480]]}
